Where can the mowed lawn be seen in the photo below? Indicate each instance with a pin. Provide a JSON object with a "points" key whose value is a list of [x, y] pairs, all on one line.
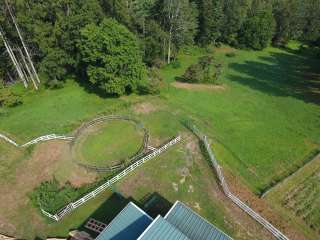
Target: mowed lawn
{"points": [[268, 116], [109, 143]]}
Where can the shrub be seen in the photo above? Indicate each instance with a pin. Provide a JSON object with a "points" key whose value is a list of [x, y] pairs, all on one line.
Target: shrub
{"points": [[52, 197], [193, 74], [231, 54], [9, 99], [202, 72], [176, 64], [153, 83], [158, 63], [54, 84]]}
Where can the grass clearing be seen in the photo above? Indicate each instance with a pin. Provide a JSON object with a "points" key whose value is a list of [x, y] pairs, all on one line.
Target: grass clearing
{"points": [[108, 143], [263, 119], [266, 123]]}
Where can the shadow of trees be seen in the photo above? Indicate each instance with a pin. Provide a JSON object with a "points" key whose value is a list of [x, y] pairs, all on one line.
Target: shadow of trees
{"points": [[288, 73]]}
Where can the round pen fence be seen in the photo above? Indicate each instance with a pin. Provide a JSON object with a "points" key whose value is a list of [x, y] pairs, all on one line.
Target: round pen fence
{"points": [[122, 163], [203, 138]]}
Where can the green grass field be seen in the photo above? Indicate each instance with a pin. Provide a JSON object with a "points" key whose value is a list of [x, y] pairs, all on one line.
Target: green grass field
{"points": [[265, 121], [109, 144], [263, 118]]}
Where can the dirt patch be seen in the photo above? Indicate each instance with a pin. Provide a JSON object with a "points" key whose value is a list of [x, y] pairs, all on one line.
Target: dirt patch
{"points": [[144, 108], [198, 87], [224, 50]]}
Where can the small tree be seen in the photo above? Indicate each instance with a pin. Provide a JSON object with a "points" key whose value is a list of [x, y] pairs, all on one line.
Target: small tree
{"points": [[202, 72], [111, 56]]}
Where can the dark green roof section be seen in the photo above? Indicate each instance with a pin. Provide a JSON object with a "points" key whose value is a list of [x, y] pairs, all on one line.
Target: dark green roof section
{"points": [[193, 225], [128, 224], [161, 229]]}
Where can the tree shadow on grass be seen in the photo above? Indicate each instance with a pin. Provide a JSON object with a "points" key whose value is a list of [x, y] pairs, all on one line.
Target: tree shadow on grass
{"points": [[289, 73]]}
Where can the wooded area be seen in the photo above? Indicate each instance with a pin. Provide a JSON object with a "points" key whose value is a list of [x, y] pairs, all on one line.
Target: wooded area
{"points": [[78, 38]]}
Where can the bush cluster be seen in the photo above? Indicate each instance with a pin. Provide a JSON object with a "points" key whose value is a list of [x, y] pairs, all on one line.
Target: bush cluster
{"points": [[205, 71]]}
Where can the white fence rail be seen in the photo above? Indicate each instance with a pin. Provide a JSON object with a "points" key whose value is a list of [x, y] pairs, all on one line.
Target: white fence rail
{"points": [[73, 205], [36, 140], [279, 235]]}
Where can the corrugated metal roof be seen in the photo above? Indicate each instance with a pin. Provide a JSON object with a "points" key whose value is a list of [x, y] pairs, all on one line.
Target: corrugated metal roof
{"points": [[193, 225], [128, 224], [161, 229]]}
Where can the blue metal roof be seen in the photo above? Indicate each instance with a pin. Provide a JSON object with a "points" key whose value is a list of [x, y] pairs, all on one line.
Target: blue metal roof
{"points": [[193, 225], [128, 224], [161, 229]]}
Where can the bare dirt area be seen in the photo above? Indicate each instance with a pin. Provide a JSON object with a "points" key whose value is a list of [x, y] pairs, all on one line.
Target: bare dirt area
{"points": [[144, 108], [224, 50], [198, 87]]}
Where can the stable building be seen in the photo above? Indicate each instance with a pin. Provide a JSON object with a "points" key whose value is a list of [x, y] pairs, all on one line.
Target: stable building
{"points": [[180, 223]]}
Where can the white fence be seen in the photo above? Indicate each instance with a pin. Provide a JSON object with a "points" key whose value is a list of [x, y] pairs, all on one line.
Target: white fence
{"points": [[73, 205], [279, 235], [36, 140]]}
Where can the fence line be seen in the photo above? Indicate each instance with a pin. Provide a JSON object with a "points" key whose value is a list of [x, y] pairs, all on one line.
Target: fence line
{"points": [[279, 235], [38, 139], [73, 205], [121, 164]]}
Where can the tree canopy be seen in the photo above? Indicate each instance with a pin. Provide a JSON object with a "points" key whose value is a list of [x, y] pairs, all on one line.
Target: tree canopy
{"points": [[111, 56], [52, 30]]}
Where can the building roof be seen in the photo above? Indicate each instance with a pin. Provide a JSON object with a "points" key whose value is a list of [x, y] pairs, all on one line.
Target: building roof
{"points": [[180, 223], [193, 225], [128, 224], [161, 229]]}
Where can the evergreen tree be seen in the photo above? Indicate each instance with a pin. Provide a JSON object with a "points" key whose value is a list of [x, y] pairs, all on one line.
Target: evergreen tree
{"points": [[210, 21], [258, 29], [235, 13]]}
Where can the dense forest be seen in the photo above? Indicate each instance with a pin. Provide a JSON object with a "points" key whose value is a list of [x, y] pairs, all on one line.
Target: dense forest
{"points": [[116, 45]]}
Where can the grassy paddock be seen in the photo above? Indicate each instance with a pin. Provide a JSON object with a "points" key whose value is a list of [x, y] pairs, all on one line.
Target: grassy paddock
{"points": [[267, 117], [265, 121], [108, 143]]}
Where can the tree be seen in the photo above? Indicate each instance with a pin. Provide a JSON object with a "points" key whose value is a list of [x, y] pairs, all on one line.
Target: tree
{"points": [[210, 21], [111, 56], [235, 13], [288, 21], [311, 21], [179, 18], [258, 29], [153, 42]]}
